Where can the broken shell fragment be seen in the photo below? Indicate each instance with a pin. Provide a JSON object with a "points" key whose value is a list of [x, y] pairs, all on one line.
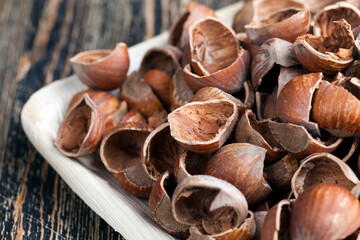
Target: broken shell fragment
{"points": [[157, 67], [210, 203], [102, 69], [287, 74], [249, 130], [241, 164], [179, 32], [279, 174], [295, 98], [160, 206], [346, 149], [286, 24], [324, 211], [322, 167], [273, 51], [329, 54], [336, 110], [247, 44], [179, 91], [276, 222], [243, 17], [139, 96], [81, 130], [245, 232], [203, 127], [165, 59], [266, 105], [133, 116], [323, 20], [159, 82], [351, 84], [120, 152], [259, 217], [246, 96], [112, 109], [297, 140], [217, 60], [160, 152], [188, 164]]}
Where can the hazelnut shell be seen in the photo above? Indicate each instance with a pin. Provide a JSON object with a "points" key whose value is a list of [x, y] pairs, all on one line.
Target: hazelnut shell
{"points": [[102, 69]]}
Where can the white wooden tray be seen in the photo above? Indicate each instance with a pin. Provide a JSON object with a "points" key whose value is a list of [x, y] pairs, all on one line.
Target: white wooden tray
{"points": [[41, 118]]}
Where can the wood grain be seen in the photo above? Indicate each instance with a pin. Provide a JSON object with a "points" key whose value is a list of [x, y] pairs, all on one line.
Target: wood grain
{"points": [[37, 39]]}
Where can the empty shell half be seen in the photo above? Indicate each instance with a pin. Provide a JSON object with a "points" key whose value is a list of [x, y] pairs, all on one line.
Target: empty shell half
{"points": [[203, 127], [102, 69], [217, 60]]}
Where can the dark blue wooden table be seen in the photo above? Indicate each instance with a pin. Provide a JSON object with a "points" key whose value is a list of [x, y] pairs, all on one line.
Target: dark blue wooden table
{"points": [[37, 37]]}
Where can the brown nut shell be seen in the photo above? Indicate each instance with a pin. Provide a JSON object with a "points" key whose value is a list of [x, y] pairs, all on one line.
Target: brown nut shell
{"points": [[214, 204], [189, 163], [112, 109], [179, 91], [246, 43], [179, 32], [273, 51], [295, 99], [157, 67], [159, 82], [243, 17], [139, 96], [249, 130], [336, 110], [286, 24], [279, 174], [133, 116], [160, 152], [213, 46], [346, 149], [102, 69], [322, 167], [216, 57], [276, 222], [229, 80], [266, 105], [165, 58], [330, 54], [352, 84], [264, 9], [323, 20], [316, 6], [324, 211], [157, 118], [297, 140], [203, 127], [245, 232], [259, 217], [82, 129], [211, 93], [120, 151], [354, 69], [241, 164], [287, 74], [160, 206]]}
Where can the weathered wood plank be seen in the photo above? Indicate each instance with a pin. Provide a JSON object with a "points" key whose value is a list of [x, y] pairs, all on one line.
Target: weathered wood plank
{"points": [[37, 39]]}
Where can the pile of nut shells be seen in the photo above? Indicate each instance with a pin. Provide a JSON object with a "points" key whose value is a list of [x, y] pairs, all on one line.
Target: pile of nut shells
{"points": [[249, 132]]}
